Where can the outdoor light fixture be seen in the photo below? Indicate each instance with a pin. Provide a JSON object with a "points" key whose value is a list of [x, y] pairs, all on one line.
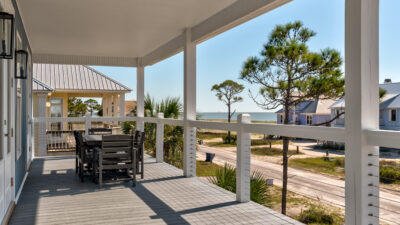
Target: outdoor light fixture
{"points": [[21, 64], [6, 35]]}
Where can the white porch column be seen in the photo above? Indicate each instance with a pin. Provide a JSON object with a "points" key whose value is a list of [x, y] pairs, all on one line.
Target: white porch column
{"points": [[362, 110], [189, 97], [88, 123], [140, 95], [42, 141], [243, 161], [122, 104], [160, 139]]}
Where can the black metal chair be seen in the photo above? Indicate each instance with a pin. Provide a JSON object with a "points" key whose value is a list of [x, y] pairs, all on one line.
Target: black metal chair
{"points": [[139, 145], [77, 150], [116, 160], [100, 131], [84, 157]]}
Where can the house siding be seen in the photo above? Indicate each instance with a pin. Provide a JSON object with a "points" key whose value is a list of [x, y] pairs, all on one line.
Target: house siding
{"points": [[387, 124]]}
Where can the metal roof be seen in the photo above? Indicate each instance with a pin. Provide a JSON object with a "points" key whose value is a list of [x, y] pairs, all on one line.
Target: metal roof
{"points": [[391, 88], [390, 100], [59, 77], [317, 106]]}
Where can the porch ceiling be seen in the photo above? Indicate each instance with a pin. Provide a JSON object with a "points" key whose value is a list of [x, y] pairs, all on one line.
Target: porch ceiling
{"points": [[103, 32]]}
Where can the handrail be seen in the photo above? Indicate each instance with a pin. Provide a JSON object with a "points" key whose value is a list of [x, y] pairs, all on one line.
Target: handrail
{"points": [[384, 138]]}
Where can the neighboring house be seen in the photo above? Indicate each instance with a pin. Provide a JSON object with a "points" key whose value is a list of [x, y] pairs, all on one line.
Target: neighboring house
{"points": [[389, 108], [308, 112], [53, 84], [129, 106]]}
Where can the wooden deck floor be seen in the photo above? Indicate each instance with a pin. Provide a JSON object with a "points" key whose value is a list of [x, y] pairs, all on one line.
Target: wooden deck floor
{"points": [[53, 195]]}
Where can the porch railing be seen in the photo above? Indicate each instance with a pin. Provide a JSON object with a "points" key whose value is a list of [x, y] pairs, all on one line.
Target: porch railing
{"points": [[382, 138]]}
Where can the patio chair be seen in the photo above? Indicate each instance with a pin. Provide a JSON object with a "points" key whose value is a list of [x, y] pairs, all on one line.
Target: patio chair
{"points": [[100, 131], [116, 160], [139, 145], [84, 158]]}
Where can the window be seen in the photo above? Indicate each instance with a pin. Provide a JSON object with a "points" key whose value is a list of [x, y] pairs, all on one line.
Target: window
{"points": [[55, 111], [309, 119], [393, 115]]}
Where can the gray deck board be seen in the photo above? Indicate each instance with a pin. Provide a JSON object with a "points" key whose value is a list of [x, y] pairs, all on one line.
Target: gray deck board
{"points": [[54, 195]]}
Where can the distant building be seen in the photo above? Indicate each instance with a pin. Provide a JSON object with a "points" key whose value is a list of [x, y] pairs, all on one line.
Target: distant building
{"points": [[54, 84], [129, 106], [389, 108], [309, 112]]}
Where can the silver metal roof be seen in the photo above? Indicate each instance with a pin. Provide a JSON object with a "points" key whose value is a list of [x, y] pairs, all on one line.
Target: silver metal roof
{"points": [[60, 77]]}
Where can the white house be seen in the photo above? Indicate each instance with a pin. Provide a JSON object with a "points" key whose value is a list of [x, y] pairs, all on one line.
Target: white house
{"points": [[389, 108]]}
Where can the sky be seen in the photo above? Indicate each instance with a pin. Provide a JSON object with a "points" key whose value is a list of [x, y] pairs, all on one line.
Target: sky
{"points": [[222, 57]]}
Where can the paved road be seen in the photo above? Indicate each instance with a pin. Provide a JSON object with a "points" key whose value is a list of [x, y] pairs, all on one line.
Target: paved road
{"points": [[313, 185]]}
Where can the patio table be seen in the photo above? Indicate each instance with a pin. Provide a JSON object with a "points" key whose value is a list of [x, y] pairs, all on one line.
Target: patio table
{"points": [[92, 141]]}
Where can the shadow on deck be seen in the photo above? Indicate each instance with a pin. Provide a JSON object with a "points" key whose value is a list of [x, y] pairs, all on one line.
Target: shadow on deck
{"points": [[53, 194]]}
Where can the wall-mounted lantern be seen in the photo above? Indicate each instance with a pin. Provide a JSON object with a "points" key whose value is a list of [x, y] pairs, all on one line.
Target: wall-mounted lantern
{"points": [[6, 35], [21, 64]]}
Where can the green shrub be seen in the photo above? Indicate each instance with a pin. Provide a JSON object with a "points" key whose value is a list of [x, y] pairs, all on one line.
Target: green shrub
{"points": [[318, 215], [127, 127], [233, 138], [389, 172], [260, 142], [225, 177], [339, 162], [258, 188]]}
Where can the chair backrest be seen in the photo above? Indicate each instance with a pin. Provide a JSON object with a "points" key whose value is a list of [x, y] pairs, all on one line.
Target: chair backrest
{"points": [[97, 131], [116, 149], [78, 141], [139, 139]]}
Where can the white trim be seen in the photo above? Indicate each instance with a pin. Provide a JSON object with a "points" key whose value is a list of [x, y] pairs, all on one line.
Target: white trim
{"points": [[84, 60]]}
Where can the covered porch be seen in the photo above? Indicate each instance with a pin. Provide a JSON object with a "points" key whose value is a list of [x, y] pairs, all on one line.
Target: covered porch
{"points": [[142, 33], [53, 194]]}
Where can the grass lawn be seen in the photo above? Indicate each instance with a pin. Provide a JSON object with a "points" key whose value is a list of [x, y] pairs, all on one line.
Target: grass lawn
{"points": [[207, 135], [206, 169], [319, 165], [271, 151]]}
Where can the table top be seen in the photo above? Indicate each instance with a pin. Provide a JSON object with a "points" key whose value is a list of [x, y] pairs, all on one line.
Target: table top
{"points": [[92, 138]]}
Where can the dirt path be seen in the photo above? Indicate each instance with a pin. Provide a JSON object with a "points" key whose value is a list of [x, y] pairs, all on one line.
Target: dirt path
{"points": [[313, 185]]}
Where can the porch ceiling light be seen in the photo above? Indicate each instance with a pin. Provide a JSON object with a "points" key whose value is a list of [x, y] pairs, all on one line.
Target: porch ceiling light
{"points": [[6, 35], [21, 64]]}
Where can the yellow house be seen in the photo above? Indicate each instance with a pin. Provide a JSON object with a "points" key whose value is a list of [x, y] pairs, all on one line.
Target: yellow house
{"points": [[54, 84]]}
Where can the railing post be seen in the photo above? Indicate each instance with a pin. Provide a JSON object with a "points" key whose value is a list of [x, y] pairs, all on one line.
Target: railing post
{"points": [[140, 95], [189, 104], [88, 123], [362, 111], [42, 136], [160, 139], [243, 160]]}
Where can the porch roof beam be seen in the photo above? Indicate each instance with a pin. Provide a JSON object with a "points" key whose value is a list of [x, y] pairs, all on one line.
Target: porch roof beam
{"points": [[234, 15], [85, 60]]}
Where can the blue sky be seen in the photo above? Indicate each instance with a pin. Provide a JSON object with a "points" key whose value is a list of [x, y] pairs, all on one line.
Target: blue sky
{"points": [[222, 57]]}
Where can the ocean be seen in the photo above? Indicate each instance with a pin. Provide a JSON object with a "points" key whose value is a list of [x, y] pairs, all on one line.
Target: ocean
{"points": [[255, 116]]}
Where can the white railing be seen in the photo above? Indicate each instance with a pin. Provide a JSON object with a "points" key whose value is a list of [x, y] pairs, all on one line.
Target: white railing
{"points": [[383, 138]]}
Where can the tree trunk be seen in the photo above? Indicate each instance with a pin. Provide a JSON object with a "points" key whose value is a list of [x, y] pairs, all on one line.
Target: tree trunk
{"points": [[285, 161], [229, 120]]}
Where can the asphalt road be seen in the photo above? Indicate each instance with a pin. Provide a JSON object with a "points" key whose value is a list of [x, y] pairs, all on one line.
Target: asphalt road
{"points": [[325, 188]]}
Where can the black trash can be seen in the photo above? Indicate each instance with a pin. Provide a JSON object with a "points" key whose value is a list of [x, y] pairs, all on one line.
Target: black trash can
{"points": [[209, 157]]}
